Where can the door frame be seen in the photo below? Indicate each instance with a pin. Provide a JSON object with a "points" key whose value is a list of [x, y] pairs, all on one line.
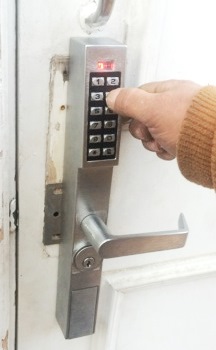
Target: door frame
{"points": [[7, 173]]}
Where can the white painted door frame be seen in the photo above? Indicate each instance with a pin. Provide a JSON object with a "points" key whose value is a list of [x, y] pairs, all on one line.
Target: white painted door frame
{"points": [[7, 173]]}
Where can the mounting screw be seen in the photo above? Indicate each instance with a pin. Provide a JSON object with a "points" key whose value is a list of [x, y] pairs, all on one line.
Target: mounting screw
{"points": [[88, 263]]}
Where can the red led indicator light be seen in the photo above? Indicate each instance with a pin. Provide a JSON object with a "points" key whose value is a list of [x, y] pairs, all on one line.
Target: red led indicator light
{"points": [[106, 65], [100, 65]]}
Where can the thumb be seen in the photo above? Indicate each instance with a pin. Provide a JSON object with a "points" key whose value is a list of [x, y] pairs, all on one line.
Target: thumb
{"points": [[132, 102]]}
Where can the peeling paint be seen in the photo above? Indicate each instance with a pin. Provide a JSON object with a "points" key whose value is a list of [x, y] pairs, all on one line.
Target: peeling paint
{"points": [[60, 62], [51, 171], [58, 191], [1, 234], [45, 253], [57, 63], [56, 118], [13, 215], [57, 126], [5, 342]]}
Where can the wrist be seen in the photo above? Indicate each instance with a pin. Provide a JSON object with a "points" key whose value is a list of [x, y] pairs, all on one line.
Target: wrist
{"points": [[196, 141]]}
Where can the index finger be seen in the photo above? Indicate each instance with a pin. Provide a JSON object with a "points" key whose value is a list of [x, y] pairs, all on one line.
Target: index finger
{"points": [[160, 86], [132, 102]]}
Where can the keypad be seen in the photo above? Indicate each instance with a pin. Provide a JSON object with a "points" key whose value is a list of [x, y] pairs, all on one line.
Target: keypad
{"points": [[102, 121]]}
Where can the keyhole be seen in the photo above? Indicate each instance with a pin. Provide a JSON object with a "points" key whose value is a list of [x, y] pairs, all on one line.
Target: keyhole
{"points": [[88, 263], [56, 214]]}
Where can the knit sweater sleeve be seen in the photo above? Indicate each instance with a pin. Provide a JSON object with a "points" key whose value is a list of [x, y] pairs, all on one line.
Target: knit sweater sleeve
{"points": [[196, 149]]}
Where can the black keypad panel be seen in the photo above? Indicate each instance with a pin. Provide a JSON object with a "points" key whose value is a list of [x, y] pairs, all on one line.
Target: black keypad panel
{"points": [[102, 122]]}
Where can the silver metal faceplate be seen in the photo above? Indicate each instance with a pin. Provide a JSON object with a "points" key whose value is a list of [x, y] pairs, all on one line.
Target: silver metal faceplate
{"points": [[86, 190]]}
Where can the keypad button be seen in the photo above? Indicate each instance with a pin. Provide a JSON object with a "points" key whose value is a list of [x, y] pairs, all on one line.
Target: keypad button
{"points": [[108, 111], [97, 96], [109, 124], [112, 81], [94, 152], [96, 111], [98, 81], [95, 138], [108, 151], [109, 137], [102, 122], [95, 125]]}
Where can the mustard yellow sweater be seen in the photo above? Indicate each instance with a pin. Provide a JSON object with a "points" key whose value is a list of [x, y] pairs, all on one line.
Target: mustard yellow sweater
{"points": [[196, 149]]}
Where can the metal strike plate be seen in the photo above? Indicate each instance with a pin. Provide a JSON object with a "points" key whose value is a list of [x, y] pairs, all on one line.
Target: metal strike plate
{"points": [[53, 214]]}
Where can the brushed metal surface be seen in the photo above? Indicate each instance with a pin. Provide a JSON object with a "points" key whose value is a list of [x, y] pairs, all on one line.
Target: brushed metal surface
{"points": [[86, 186], [111, 246]]}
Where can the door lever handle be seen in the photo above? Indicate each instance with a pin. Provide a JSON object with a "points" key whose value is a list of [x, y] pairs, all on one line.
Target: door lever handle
{"points": [[96, 14], [112, 246]]}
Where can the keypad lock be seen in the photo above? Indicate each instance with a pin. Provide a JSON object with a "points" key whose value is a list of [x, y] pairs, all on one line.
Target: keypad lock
{"points": [[97, 67], [92, 139], [103, 123]]}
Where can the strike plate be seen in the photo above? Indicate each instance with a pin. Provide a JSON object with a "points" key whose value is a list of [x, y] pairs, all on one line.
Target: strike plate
{"points": [[53, 214]]}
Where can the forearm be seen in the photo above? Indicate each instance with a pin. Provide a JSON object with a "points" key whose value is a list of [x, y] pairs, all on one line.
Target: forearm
{"points": [[174, 118], [196, 149]]}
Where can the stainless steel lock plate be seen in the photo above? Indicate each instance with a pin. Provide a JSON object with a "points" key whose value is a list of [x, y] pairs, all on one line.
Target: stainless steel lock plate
{"points": [[53, 214]]}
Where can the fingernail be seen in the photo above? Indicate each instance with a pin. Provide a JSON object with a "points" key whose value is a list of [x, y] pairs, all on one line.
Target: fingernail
{"points": [[111, 98]]}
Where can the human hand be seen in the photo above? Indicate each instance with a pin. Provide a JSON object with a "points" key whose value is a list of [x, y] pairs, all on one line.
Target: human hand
{"points": [[157, 110]]}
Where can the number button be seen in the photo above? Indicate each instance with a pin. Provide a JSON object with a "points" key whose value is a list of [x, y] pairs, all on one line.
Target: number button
{"points": [[95, 125], [96, 110], [108, 151], [109, 124], [96, 96], [94, 138], [109, 138], [112, 81], [99, 81], [94, 152], [108, 111]]}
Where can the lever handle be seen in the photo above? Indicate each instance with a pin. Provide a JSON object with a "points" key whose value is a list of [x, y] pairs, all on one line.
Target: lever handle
{"points": [[111, 246], [96, 14]]}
